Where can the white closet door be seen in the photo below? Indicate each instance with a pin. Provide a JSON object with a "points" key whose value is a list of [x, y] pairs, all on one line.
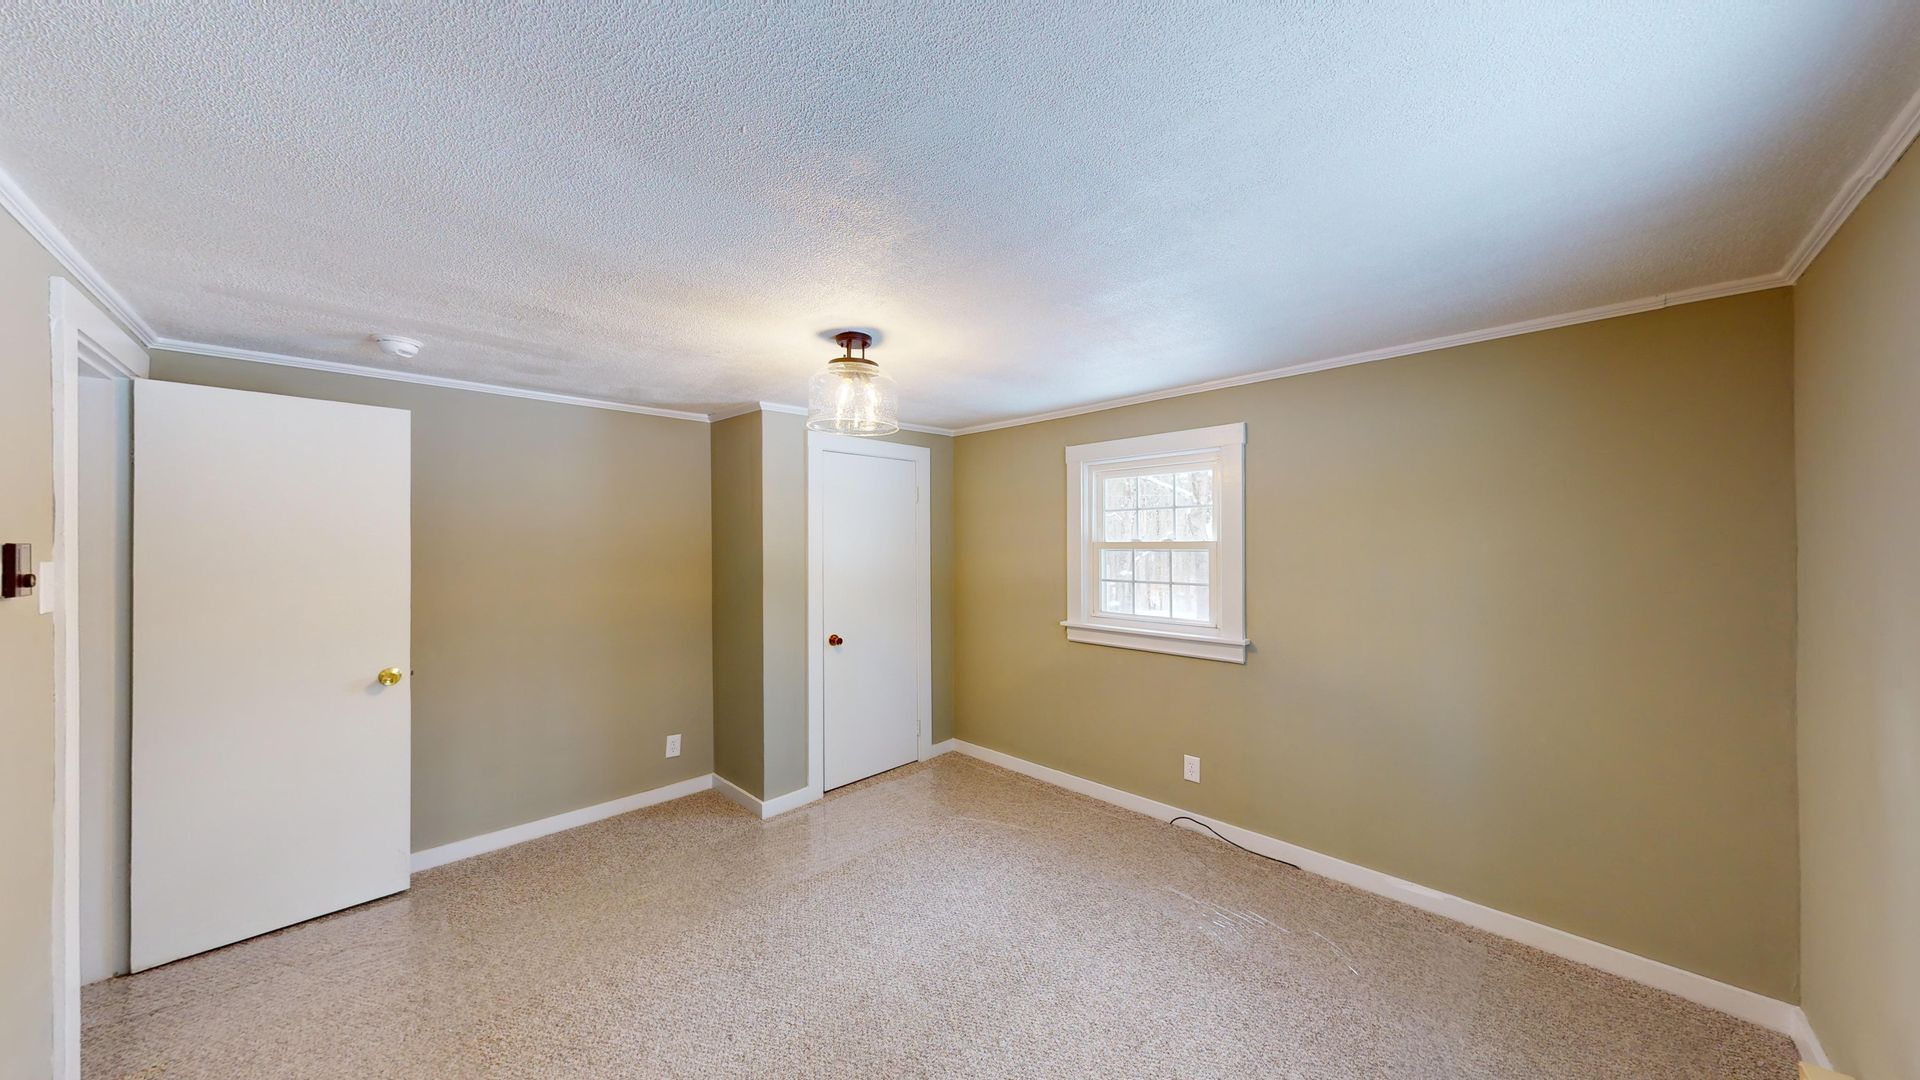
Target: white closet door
{"points": [[271, 586], [873, 581]]}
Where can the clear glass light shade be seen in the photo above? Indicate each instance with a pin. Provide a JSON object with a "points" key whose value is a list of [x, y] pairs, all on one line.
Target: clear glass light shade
{"points": [[851, 397]]}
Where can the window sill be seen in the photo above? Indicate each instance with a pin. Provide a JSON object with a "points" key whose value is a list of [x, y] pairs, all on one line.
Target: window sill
{"points": [[1172, 642]]}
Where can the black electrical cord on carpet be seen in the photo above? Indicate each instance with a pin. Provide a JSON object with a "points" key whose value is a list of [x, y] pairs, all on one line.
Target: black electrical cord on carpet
{"points": [[1216, 832]]}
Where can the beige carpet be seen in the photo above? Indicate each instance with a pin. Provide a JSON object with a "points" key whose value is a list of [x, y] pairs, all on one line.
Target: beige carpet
{"points": [[948, 919]]}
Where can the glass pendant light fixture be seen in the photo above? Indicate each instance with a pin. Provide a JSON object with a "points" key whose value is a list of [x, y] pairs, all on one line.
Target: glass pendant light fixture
{"points": [[851, 397]]}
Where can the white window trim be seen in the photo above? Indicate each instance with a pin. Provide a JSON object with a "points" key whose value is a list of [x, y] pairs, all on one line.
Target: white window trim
{"points": [[1226, 641]]}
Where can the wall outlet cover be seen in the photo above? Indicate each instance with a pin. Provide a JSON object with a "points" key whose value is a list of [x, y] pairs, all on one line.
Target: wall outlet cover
{"points": [[673, 746], [1192, 771]]}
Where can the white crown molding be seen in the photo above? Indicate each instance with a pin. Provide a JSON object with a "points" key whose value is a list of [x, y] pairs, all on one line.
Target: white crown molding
{"points": [[1892, 143], [1308, 367], [728, 414], [800, 410], [925, 429], [41, 228], [282, 360], [1885, 151], [1745, 1004]]}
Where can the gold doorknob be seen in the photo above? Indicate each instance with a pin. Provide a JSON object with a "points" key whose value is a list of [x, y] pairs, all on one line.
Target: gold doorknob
{"points": [[390, 676]]}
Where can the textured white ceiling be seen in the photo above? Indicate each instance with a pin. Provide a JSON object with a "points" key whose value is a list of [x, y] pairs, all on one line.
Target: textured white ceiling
{"points": [[1037, 205]]}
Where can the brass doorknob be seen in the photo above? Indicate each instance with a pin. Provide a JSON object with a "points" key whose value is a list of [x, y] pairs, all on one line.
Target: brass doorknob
{"points": [[833, 639], [390, 676]]}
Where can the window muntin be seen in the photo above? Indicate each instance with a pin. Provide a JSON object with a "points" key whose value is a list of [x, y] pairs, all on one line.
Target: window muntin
{"points": [[1155, 549]]}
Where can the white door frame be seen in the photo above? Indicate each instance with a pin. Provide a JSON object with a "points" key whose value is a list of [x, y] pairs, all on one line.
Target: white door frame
{"points": [[85, 340], [819, 445]]}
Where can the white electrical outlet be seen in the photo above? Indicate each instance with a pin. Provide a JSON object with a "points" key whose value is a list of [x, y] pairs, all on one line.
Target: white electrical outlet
{"points": [[673, 746], [1193, 769]]}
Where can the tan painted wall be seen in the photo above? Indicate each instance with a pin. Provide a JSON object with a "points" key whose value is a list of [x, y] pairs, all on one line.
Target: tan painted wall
{"points": [[1857, 384], [739, 621], [26, 660], [784, 535], [1523, 624], [562, 599]]}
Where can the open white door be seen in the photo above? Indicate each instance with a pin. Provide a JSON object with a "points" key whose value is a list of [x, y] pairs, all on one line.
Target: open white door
{"points": [[271, 587]]}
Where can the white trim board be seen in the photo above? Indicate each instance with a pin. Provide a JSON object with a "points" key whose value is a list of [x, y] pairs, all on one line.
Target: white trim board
{"points": [[1745, 1004], [1308, 367], [572, 819], [28, 213], [766, 808], [82, 339], [282, 360], [1886, 150], [1807, 1041], [798, 410]]}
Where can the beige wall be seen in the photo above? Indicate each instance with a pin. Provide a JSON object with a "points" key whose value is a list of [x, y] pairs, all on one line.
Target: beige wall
{"points": [[739, 619], [26, 662], [1523, 625], [1857, 386], [26, 659], [562, 596], [784, 532]]}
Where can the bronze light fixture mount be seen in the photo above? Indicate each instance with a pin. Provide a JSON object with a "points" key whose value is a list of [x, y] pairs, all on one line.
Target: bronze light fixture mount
{"points": [[851, 340]]}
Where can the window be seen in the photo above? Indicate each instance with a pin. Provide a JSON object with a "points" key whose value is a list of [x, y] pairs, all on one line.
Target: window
{"points": [[1155, 555]]}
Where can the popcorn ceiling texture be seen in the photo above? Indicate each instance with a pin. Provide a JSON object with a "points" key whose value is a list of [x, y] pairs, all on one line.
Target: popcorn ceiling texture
{"points": [[950, 919], [1037, 205]]}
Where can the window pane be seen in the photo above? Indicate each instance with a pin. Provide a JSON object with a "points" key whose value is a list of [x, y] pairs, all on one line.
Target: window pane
{"points": [[1152, 566], [1151, 600], [1156, 490], [1116, 597], [1156, 524], [1116, 565], [1118, 494], [1191, 523], [1193, 488], [1190, 567], [1119, 526], [1190, 602]]}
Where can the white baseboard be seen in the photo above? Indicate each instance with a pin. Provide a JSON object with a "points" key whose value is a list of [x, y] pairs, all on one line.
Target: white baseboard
{"points": [[763, 808], [1808, 1042], [572, 819], [792, 800], [1744, 1004], [735, 793], [939, 748]]}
